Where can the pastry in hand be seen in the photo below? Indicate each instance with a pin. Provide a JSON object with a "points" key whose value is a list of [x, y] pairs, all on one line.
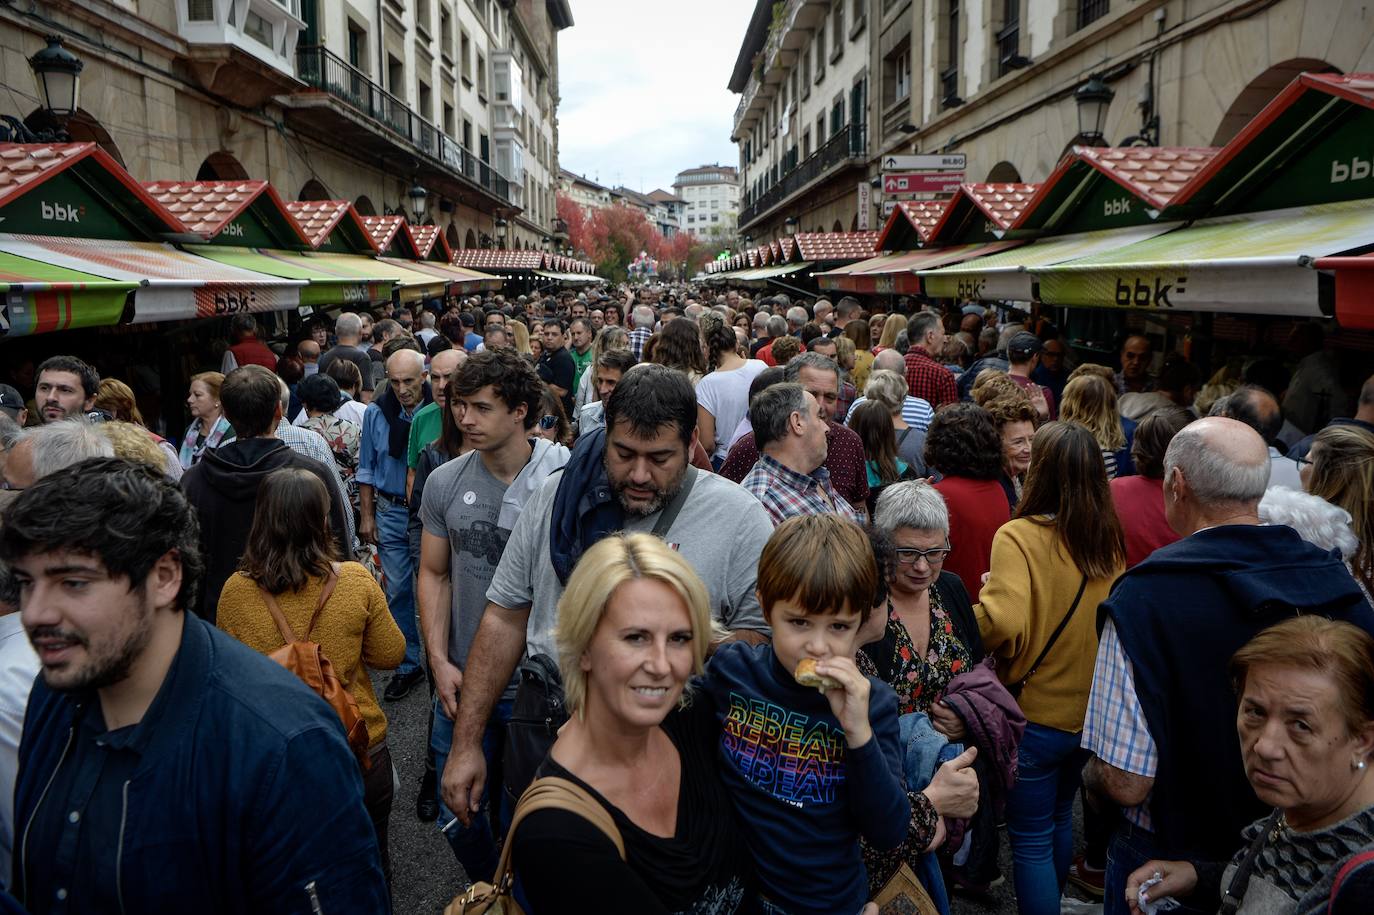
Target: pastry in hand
{"points": [[806, 675]]}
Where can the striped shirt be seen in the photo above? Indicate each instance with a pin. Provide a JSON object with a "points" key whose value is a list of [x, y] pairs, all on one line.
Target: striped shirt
{"points": [[916, 413]]}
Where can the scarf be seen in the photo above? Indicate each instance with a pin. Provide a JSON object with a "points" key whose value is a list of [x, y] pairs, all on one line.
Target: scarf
{"points": [[398, 424]]}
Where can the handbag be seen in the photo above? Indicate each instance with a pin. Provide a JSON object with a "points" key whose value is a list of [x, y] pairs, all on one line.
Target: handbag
{"points": [[1015, 688], [547, 793], [903, 894]]}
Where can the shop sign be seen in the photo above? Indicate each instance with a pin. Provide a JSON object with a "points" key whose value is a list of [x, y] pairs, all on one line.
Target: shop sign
{"points": [[246, 230], [953, 162], [61, 206], [1338, 166], [922, 183], [865, 205]]}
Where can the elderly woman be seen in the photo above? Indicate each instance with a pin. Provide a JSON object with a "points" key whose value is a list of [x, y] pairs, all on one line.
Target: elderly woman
{"points": [[1015, 420], [1306, 726], [963, 446], [633, 626], [889, 389], [1037, 613], [1339, 467], [209, 428]]}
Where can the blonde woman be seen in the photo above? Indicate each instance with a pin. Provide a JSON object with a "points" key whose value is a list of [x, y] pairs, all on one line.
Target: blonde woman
{"points": [[894, 326], [117, 399], [209, 428], [1090, 401], [633, 626], [521, 335], [1339, 467]]}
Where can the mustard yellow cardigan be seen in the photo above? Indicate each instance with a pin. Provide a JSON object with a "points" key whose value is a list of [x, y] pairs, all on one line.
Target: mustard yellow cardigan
{"points": [[355, 629], [1032, 585]]}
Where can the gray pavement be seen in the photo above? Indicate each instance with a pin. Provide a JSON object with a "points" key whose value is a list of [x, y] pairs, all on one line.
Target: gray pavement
{"points": [[426, 876]]}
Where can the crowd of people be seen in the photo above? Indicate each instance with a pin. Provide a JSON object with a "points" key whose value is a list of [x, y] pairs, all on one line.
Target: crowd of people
{"points": [[722, 604]]}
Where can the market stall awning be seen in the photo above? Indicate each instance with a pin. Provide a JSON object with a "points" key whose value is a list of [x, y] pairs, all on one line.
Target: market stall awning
{"points": [[895, 274], [763, 274], [325, 288], [412, 285], [570, 279], [1354, 290], [459, 279], [1006, 275], [1258, 263], [36, 297], [173, 285]]}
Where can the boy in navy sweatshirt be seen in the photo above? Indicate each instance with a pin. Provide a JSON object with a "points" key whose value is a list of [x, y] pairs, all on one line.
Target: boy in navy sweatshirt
{"points": [[810, 771]]}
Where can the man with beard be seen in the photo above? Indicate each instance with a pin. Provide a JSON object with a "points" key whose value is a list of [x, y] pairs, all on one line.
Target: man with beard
{"points": [[165, 767], [633, 475], [66, 389]]}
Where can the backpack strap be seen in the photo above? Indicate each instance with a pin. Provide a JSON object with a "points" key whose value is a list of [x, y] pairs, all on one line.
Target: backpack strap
{"points": [[1360, 860], [325, 592], [552, 793], [277, 616]]}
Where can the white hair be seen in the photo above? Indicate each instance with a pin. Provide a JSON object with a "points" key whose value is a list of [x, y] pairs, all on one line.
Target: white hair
{"points": [[1213, 476], [644, 316], [414, 356], [891, 360], [914, 504], [797, 315], [59, 445], [348, 325], [1316, 520]]}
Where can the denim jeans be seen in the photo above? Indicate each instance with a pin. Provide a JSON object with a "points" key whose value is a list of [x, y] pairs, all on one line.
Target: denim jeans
{"points": [[1130, 848], [1040, 816], [393, 543], [474, 846]]}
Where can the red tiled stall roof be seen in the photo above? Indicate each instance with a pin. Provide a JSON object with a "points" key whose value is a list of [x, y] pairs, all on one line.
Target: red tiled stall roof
{"points": [[788, 246], [498, 259], [1002, 203], [24, 166], [206, 207], [836, 246], [382, 229], [908, 217], [425, 238], [1155, 174], [317, 218]]}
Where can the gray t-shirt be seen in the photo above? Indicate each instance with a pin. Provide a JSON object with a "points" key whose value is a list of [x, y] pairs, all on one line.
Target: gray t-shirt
{"points": [[721, 531], [461, 503]]}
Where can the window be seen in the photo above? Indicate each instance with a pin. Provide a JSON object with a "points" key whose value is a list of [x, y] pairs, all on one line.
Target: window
{"points": [[481, 77], [856, 17], [200, 10], [357, 46], [258, 28], [837, 115], [467, 134], [448, 119], [395, 76], [806, 143], [819, 45], [1090, 11], [1009, 37], [715, 218], [837, 31], [897, 75], [426, 101], [820, 128], [446, 32], [804, 61], [949, 77], [423, 19], [465, 57]]}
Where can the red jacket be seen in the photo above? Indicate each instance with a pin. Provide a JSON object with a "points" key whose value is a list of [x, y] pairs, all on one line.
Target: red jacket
{"points": [[252, 351]]}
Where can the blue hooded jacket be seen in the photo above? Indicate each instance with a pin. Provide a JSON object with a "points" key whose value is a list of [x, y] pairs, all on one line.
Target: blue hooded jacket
{"points": [[1181, 614]]}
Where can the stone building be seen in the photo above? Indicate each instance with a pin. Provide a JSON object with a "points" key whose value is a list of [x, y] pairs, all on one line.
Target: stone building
{"points": [[326, 99], [829, 88], [710, 199]]}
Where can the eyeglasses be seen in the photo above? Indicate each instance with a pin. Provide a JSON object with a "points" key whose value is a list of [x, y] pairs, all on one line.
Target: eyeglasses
{"points": [[548, 422], [908, 556]]}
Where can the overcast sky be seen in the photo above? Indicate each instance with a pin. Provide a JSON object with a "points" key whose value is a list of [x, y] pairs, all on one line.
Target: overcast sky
{"points": [[644, 88]]}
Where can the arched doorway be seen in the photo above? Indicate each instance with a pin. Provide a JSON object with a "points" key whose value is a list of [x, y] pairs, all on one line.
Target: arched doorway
{"points": [[451, 235], [1004, 173], [314, 189], [364, 206], [81, 127], [221, 166], [838, 227], [1260, 91], [471, 240]]}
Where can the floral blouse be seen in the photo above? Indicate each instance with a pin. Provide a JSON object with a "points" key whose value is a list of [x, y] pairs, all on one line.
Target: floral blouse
{"points": [[919, 682]]}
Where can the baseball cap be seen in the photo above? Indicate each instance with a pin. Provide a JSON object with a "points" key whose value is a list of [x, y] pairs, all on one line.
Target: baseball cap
{"points": [[978, 310], [1023, 345], [10, 401]]}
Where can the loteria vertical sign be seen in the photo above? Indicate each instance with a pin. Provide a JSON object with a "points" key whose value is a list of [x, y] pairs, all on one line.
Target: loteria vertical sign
{"points": [[865, 205]]}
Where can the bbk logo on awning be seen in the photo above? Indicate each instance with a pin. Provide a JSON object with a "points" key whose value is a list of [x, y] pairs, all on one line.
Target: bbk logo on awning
{"points": [[1135, 292], [61, 212], [1356, 169]]}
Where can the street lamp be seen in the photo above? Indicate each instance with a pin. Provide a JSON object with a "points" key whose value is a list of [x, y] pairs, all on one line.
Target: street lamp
{"points": [[1093, 98], [419, 202], [58, 73], [789, 225], [548, 243], [500, 232]]}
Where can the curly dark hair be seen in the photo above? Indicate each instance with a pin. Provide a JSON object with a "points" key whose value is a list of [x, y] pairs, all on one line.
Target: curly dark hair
{"points": [[679, 347], [121, 512], [511, 376], [963, 442]]}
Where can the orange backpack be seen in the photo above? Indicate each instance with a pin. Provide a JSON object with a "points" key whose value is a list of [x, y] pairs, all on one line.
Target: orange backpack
{"points": [[306, 660]]}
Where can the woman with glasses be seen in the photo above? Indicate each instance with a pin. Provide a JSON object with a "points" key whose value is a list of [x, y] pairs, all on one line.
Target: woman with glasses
{"points": [[1051, 566]]}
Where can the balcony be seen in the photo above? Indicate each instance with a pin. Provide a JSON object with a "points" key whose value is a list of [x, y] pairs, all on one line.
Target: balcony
{"points": [[346, 104], [846, 148], [789, 36], [242, 52]]}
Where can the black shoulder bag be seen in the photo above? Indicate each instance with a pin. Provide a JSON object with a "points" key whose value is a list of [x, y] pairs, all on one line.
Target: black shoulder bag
{"points": [[1015, 688]]}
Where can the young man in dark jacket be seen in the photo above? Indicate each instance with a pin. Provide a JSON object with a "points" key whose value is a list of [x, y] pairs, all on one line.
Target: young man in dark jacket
{"points": [[165, 767], [223, 487]]}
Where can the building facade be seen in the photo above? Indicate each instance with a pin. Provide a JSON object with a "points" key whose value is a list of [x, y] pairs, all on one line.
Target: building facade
{"points": [[829, 88], [710, 197], [669, 212], [324, 99], [585, 192]]}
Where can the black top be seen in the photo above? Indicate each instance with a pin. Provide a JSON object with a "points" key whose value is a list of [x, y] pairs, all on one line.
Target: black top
{"points": [[955, 600], [567, 866], [558, 368], [353, 355]]}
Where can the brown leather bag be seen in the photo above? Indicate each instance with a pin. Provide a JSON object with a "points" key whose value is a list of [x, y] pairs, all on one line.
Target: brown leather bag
{"points": [[306, 660]]}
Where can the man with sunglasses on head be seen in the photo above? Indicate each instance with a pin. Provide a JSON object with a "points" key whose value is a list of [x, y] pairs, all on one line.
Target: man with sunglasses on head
{"points": [[468, 508]]}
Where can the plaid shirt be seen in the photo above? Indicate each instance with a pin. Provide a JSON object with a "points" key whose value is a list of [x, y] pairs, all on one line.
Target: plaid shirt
{"points": [[787, 494], [638, 337], [1114, 728], [929, 380]]}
